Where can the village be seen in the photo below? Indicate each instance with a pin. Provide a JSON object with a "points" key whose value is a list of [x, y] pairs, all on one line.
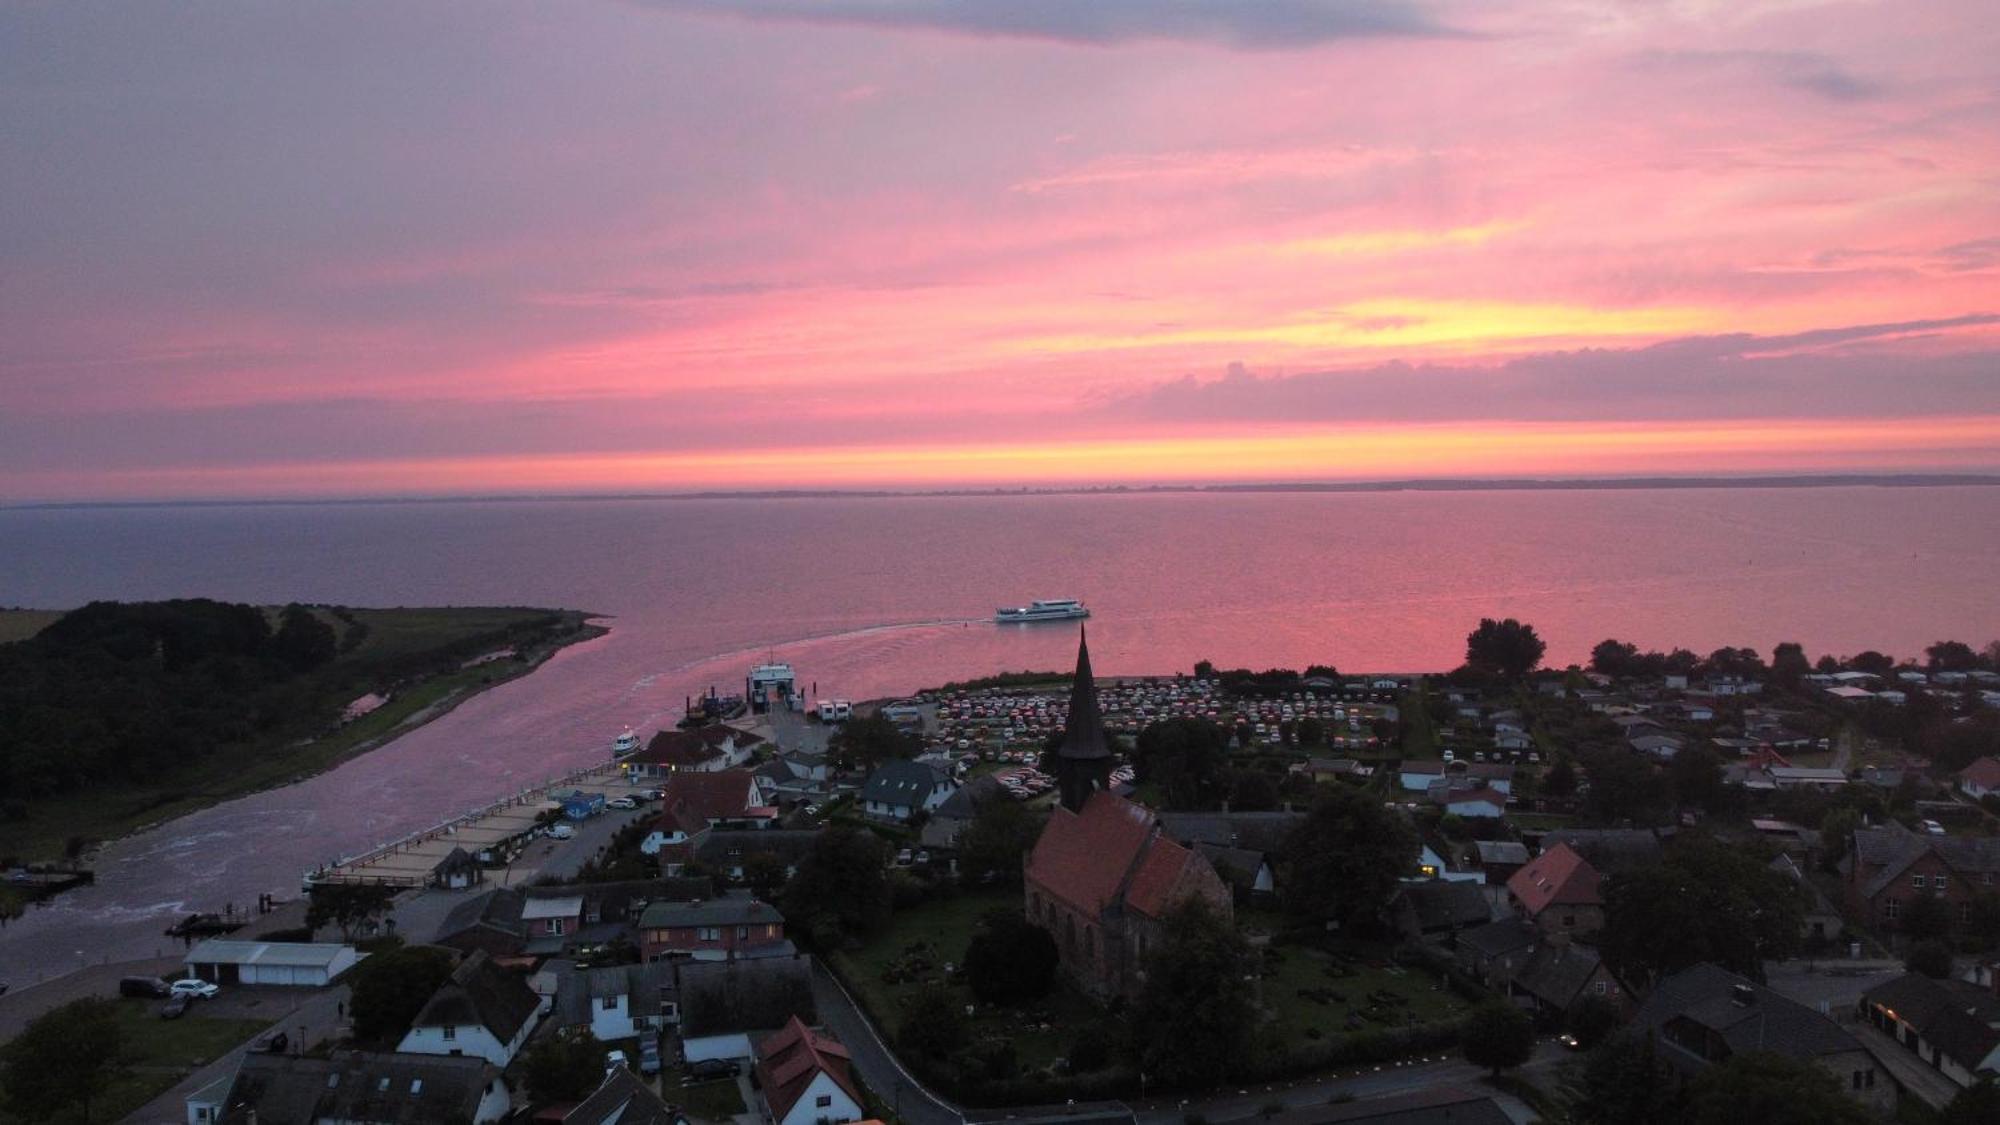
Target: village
{"points": [[1225, 895]]}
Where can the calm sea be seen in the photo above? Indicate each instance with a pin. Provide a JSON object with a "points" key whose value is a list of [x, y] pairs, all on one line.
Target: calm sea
{"points": [[869, 597]]}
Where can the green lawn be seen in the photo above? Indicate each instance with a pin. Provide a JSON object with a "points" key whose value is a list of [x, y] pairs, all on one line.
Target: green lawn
{"points": [[129, 804], [20, 624], [1358, 991], [160, 1053], [715, 1101], [937, 933]]}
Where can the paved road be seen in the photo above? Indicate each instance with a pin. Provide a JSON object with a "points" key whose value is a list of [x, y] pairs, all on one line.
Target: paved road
{"points": [[879, 1068]]}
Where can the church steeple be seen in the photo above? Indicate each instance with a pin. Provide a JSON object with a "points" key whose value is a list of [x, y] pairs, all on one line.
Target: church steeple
{"points": [[1083, 761]]}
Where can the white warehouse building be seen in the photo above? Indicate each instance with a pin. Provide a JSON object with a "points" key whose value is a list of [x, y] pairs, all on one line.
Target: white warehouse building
{"points": [[305, 964]]}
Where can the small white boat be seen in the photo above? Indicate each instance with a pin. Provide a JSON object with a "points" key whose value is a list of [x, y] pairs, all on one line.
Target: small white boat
{"points": [[1051, 609]]}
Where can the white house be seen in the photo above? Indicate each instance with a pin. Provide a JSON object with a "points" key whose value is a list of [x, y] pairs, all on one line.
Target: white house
{"points": [[897, 790], [1980, 778], [618, 1001], [1487, 803], [482, 1012], [806, 1078], [304, 964]]}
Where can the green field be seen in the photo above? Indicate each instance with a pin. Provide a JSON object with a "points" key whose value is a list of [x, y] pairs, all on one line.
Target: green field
{"points": [[159, 1053], [720, 1100], [395, 639], [20, 624], [1305, 990], [938, 932]]}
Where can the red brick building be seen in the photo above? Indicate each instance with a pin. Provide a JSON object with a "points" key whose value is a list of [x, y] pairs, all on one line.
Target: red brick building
{"points": [[1103, 875], [1889, 867], [717, 929]]}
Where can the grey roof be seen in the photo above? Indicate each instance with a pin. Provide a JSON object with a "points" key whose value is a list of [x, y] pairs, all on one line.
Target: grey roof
{"points": [[458, 860], [759, 994], [221, 951], [966, 801], [725, 847], [1892, 848], [647, 985], [1610, 850], [1443, 905], [1083, 730], [1497, 939], [481, 994], [1501, 851], [1557, 972], [1705, 994], [898, 782], [1237, 866], [1955, 1016], [622, 1100], [1262, 831], [357, 1086], [498, 909], [735, 909]]}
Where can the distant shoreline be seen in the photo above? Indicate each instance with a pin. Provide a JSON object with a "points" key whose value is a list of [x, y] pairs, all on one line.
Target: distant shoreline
{"points": [[1442, 484]]}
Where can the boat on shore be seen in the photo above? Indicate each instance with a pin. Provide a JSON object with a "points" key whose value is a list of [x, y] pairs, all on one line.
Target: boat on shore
{"points": [[1048, 609]]}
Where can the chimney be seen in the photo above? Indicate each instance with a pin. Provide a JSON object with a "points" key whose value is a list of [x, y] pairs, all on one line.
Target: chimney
{"points": [[1742, 995]]}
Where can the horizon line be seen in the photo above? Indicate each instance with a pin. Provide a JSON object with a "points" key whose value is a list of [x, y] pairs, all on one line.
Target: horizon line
{"points": [[1409, 484]]}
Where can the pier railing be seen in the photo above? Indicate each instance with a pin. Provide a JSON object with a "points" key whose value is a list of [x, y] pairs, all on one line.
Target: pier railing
{"points": [[349, 870]]}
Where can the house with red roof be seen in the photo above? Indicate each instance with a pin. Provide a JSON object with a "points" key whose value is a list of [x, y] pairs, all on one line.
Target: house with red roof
{"points": [[1980, 778], [806, 1078], [693, 803], [701, 750], [1559, 891]]}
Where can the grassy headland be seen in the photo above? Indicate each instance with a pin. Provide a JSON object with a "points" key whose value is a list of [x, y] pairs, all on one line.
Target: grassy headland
{"points": [[165, 733]]}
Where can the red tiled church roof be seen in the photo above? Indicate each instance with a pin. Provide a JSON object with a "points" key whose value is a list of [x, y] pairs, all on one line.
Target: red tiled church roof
{"points": [[1558, 876], [1087, 858]]}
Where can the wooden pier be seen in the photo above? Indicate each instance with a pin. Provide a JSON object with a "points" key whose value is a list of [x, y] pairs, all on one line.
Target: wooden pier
{"points": [[409, 861]]}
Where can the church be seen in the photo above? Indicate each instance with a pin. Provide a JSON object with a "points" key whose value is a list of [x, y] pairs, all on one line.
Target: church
{"points": [[1103, 875]]}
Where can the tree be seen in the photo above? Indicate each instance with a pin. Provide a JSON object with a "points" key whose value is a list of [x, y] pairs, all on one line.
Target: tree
{"points": [[564, 1067], [1977, 1104], [1186, 758], [1499, 1036], [62, 1060], [346, 905], [1623, 786], [1345, 859], [1193, 1020], [387, 990], [1704, 901], [1560, 781], [1252, 791], [841, 887], [1926, 918], [991, 847], [1591, 1020], [1983, 923], [1951, 656], [1770, 1089], [1789, 666], [866, 741], [1312, 732], [933, 1024], [1931, 958], [1872, 662], [1612, 657], [1508, 649], [1623, 1082], [303, 641], [1696, 773], [764, 873], [1010, 959]]}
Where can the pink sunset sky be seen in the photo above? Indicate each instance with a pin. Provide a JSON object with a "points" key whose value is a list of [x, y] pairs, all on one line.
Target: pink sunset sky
{"points": [[355, 249]]}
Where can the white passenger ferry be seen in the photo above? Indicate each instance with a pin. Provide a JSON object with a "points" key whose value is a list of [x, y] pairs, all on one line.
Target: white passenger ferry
{"points": [[1052, 609]]}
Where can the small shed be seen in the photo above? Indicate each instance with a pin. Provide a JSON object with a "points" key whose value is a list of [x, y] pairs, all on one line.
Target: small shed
{"points": [[579, 805], [297, 963], [457, 871]]}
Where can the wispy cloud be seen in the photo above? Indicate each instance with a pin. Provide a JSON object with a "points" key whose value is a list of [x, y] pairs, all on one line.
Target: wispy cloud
{"points": [[1809, 71], [1254, 25]]}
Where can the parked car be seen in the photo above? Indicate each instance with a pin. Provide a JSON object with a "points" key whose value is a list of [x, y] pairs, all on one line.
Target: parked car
{"points": [[708, 1070], [649, 1055], [621, 803], [616, 1060], [562, 832], [143, 988], [271, 1043], [176, 1007], [199, 989]]}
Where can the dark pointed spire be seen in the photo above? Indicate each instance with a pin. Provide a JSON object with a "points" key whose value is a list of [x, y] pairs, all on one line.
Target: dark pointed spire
{"points": [[1083, 761], [1083, 734]]}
